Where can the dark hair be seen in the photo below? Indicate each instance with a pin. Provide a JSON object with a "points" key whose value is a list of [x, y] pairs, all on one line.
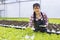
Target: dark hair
{"points": [[36, 4]]}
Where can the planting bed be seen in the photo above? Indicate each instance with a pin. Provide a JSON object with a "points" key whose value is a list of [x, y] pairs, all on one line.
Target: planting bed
{"points": [[50, 27]]}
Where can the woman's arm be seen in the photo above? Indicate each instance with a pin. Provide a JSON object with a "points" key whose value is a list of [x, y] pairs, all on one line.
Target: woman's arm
{"points": [[46, 19], [31, 24]]}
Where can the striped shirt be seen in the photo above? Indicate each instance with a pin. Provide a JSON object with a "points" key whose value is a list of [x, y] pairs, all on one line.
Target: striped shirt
{"points": [[31, 23]]}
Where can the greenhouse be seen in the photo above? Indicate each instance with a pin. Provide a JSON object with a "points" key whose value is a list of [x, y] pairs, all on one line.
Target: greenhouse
{"points": [[15, 17]]}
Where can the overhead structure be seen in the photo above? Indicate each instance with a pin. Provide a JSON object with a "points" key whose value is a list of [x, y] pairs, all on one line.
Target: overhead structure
{"points": [[17, 8]]}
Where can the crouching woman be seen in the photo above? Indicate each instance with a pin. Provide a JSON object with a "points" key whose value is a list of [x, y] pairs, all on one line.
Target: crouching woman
{"points": [[39, 19]]}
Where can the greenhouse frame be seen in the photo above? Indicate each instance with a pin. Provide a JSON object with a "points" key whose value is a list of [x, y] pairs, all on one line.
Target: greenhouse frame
{"points": [[16, 8]]}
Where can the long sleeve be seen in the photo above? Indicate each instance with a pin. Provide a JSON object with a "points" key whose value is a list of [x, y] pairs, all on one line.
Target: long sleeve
{"points": [[31, 21], [46, 19]]}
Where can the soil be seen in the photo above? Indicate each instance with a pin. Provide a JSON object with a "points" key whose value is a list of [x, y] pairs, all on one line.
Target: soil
{"points": [[16, 23], [54, 26]]}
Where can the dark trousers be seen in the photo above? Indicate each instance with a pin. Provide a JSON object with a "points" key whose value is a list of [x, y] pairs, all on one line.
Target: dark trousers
{"points": [[41, 29]]}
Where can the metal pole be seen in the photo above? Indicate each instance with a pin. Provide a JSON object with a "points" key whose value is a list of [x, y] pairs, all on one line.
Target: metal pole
{"points": [[19, 9], [19, 6], [40, 4], [4, 7]]}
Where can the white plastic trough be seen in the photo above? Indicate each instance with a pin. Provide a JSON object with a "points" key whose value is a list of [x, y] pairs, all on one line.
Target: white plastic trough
{"points": [[13, 26], [53, 31]]}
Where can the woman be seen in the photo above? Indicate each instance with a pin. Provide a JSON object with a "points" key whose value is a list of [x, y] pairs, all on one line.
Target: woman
{"points": [[38, 18]]}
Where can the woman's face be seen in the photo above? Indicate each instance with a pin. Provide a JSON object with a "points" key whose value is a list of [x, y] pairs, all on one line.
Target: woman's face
{"points": [[36, 9]]}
